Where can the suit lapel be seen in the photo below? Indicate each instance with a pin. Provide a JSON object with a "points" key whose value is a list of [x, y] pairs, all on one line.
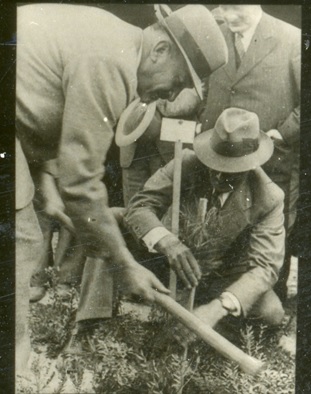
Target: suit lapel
{"points": [[233, 214], [262, 44], [223, 228]]}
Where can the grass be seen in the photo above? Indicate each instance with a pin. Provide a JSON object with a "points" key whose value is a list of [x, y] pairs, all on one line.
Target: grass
{"points": [[128, 355]]}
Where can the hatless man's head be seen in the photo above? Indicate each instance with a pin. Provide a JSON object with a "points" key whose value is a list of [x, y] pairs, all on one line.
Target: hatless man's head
{"points": [[240, 18], [184, 47]]}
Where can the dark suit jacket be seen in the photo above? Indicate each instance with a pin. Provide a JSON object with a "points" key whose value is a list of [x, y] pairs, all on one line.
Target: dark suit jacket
{"points": [[267, 83], [249, 226]]}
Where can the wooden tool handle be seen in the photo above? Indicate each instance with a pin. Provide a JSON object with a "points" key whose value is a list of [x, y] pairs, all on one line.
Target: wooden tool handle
{"points": [[247, 363]]}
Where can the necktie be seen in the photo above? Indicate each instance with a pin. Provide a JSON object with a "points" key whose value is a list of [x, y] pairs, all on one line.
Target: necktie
{"points": [[215, 200], [240, 51]]}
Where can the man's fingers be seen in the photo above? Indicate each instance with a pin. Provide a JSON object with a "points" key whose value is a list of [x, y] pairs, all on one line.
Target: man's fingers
{"points": [[188, 271], [157, 285], [195, 266], [180, 272], [64, 219], [143, 283]]}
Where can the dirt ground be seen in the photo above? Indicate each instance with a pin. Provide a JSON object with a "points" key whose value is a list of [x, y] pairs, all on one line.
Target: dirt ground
{"points": [[135, 353]]}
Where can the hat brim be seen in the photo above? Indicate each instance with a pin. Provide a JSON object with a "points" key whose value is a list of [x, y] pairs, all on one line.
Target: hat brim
{"points": [[215, 161], [123, 139], [197, 83]]}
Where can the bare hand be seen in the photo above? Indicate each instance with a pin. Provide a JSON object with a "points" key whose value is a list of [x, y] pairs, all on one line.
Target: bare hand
{"points": [[118, 213], [60, 216], [53, 203], [181, 259], [210, 314], [274, 134], [135, 279]]}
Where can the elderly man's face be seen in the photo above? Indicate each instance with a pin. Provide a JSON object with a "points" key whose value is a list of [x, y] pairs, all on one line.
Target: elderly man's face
{"points": [[239, 18], [163, 78]]}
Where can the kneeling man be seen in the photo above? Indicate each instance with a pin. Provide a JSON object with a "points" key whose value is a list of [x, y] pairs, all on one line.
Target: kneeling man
{"points": [[234, 253]]}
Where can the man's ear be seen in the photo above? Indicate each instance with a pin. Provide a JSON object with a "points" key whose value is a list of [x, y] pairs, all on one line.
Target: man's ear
{"points": [[160, 51]]}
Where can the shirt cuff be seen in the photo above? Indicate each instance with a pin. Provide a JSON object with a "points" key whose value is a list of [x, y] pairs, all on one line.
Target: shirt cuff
{"points": [[235, 301], [154, 236]]}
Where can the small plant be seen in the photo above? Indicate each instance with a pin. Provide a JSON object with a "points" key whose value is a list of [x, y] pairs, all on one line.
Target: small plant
{"points": [[224, 376], [130, 356], [51, 324]]}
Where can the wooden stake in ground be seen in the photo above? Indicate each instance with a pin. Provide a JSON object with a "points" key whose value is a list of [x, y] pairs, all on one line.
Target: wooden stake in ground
{"points": [[178, 131], [190, 302]]}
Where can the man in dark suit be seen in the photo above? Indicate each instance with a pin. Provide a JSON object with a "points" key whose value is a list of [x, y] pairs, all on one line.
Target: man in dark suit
{"points": [[263, 76], [241, 247]]}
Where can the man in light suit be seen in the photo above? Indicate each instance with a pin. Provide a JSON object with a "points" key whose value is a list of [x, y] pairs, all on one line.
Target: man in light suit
{"points": [[78, 68], [242, 235], [263, 76]]}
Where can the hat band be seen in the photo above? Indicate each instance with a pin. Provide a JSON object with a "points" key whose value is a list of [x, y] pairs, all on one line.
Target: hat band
{"points": [[237, 149], [185, 39]]}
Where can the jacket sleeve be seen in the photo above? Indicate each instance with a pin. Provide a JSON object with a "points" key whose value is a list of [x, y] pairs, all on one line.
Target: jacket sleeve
{"points": [[290, 127], [95, 93], [148, 206], [265, 257]]}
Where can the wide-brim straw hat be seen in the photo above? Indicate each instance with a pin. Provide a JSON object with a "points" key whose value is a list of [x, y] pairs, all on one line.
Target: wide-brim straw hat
{"points": [[235, 144], [198, 37], [134, 121]]}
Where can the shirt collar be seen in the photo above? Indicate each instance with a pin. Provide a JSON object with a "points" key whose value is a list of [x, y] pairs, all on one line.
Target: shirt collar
{"points": [[223, 197], [248, 34]]}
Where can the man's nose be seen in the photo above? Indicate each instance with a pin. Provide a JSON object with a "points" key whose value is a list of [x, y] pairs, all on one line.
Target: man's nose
{"points": [[229, 17]]}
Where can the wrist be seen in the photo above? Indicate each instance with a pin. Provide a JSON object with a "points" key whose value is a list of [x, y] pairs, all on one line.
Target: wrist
{"points": [[166, 242], [123, 258]]}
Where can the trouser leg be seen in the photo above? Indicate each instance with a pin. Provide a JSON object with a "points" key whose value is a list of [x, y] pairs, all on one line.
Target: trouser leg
{"points": [[281, 285], [69, 258], [28, 253], [40, 277], [96, 296], [290, 217], [47, 226], [269, 309]]}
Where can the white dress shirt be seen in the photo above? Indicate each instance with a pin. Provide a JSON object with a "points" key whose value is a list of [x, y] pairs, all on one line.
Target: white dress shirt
{"points": [[246, 36]]}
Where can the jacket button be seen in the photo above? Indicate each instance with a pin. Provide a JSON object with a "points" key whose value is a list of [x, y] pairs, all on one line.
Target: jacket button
{"points": [[232, 91]]}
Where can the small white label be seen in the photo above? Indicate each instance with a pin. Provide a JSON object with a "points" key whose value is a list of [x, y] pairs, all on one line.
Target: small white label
{"points": [[177, 129]]}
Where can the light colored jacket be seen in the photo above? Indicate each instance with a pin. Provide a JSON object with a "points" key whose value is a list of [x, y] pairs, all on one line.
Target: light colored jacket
{"points": [[76, 73]]}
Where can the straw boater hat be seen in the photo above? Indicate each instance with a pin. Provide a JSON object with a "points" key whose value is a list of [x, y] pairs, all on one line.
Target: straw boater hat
{"points": [[235, 144], [195, 32]]}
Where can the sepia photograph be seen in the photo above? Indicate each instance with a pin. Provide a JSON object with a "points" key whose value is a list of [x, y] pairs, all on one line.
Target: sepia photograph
{"points": [[157, 170]]}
